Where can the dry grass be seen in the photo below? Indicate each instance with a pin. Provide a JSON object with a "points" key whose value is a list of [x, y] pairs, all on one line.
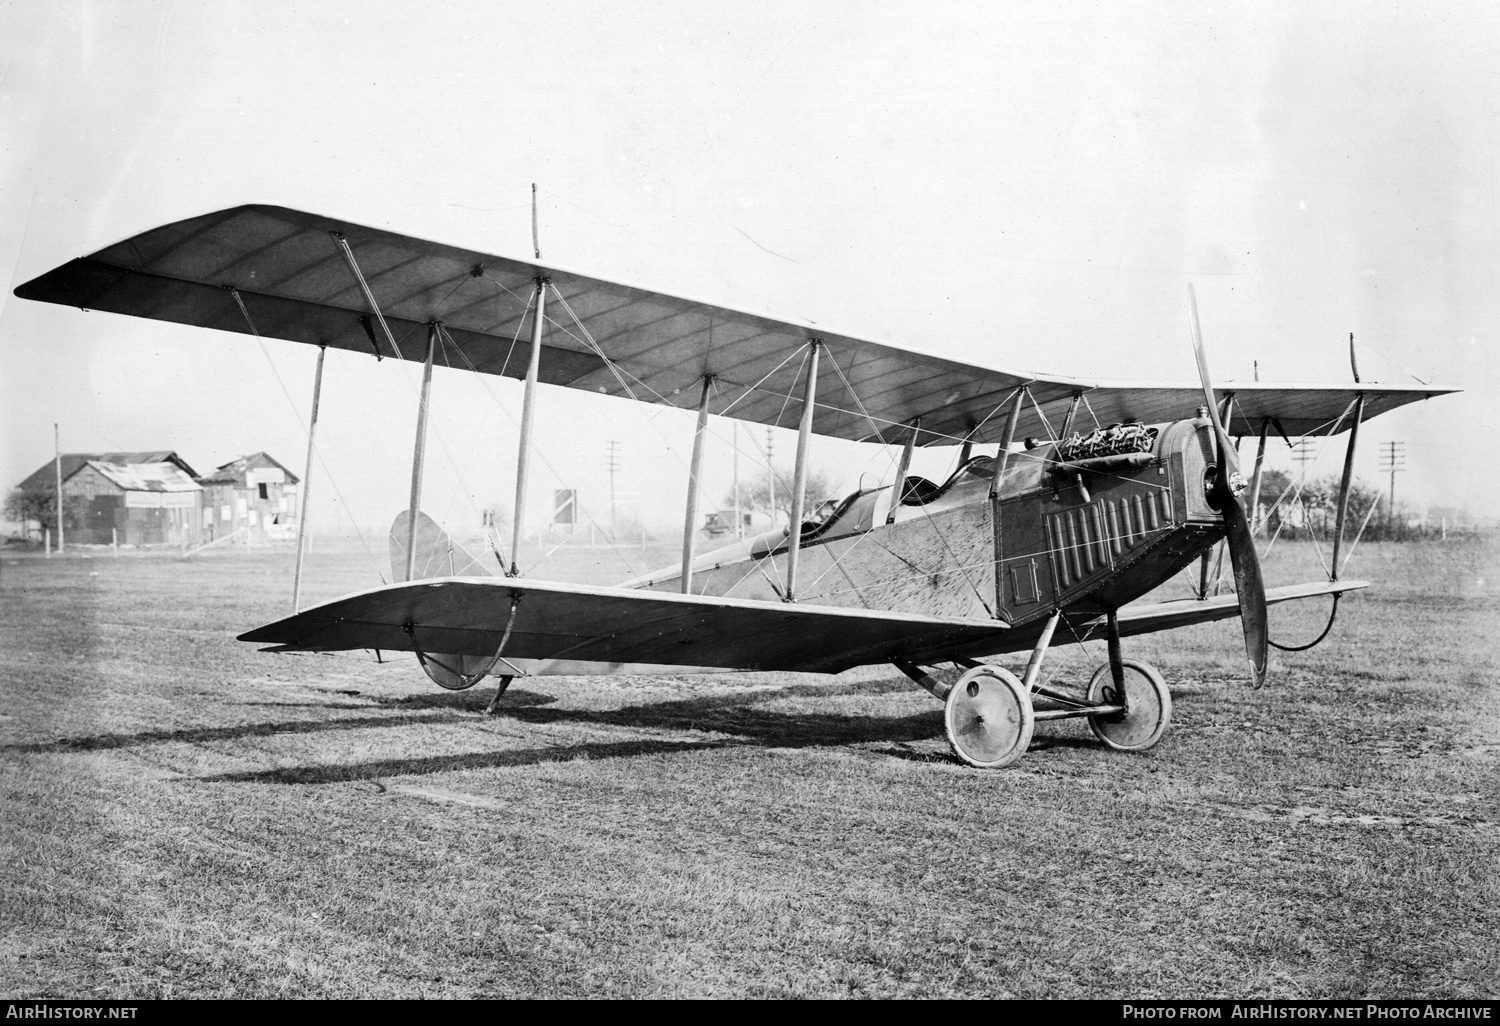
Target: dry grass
{"points": [[183, 816]]}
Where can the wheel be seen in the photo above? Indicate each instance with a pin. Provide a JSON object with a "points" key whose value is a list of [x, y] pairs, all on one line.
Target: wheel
{"points": [[1149, 707], [989, 718]]}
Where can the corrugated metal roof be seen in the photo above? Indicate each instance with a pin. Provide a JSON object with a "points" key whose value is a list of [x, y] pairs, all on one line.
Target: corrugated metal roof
{"points": [[72, 462], [234, 471], [146, 477]]}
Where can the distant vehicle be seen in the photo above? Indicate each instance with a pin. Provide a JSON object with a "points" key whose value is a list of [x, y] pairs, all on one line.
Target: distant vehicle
{"points": [[718, 524], [1065, 532]]}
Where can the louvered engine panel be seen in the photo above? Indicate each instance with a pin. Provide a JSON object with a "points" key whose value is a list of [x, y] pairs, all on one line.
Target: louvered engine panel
{"points": [[1086, 540]]}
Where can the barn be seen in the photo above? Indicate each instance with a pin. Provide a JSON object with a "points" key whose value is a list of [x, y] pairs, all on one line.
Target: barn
{"points": [[254, 495], [135, 498]]}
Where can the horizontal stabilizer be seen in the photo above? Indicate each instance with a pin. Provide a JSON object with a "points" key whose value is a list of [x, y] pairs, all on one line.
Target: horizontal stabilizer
{"points": [[468, 616]]}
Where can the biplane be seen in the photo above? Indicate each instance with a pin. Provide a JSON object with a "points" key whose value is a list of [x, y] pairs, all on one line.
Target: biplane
{"points": [[1065, 522]]}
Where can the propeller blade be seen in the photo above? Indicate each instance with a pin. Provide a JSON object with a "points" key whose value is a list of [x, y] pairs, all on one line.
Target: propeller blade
{"points": [[1248, 582], [1224, 452], [1251, 588]]}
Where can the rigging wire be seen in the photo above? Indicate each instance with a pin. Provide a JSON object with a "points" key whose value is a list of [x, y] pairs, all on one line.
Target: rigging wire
{"points": [[332, 481], [545, 461]]}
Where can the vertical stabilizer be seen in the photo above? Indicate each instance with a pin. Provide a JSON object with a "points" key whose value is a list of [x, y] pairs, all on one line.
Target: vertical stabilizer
{"points": [[437, 554]]}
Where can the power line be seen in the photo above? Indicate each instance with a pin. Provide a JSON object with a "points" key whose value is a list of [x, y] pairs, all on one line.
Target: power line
{"points": [[612, 463], [1302, 452], [1393, 462]]}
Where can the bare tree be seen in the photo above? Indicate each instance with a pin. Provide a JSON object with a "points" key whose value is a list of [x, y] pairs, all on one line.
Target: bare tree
{"points": [[753, 493]]}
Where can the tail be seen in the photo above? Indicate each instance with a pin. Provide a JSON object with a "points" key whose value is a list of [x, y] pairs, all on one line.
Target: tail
{"points": [[437, 554]]}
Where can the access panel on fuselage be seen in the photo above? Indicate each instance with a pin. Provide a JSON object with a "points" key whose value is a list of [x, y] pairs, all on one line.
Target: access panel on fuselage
{"points": [[1023, 571]]}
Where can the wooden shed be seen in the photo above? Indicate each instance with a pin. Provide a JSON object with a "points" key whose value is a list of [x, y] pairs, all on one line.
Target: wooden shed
{"points": [[135, 498], [255, 495]]}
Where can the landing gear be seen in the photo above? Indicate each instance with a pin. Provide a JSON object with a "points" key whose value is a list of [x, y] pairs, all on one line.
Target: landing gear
{"points": [[989, 717], [1147, 702]]}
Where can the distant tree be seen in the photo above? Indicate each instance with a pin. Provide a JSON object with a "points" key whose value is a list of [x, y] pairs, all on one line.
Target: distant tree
{"points": [[1274, 484], [754, 495], [37, 503], [1310, 508]]}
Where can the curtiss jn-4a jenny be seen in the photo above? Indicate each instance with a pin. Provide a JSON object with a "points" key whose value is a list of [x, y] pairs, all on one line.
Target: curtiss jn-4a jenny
{"points": [[1067, 522]]}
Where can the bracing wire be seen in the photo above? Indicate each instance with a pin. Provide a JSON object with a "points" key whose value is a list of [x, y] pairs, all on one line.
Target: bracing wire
{"points": [[332, 481], [543, 457]]}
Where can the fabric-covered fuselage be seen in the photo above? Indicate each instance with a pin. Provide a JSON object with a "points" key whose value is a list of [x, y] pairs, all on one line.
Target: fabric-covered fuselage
{"points": [[1081, 534]]}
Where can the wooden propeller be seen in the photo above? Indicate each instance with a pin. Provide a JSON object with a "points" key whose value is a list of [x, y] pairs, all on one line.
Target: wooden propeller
{"points": [[1248, 582]]}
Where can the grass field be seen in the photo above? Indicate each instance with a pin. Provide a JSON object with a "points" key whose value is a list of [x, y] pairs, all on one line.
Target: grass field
{"points": [[183, 816]]}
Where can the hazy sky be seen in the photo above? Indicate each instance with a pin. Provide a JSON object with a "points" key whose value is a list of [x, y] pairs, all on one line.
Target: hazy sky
{"points": [[1029, 186]]}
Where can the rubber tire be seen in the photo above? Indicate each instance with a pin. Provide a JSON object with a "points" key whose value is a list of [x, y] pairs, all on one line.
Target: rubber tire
{"points": [[1150, 708], [988, 717]]}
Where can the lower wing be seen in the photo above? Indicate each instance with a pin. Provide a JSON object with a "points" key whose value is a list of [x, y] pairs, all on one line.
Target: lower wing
{"points": [[1165, 616], [580, 623]]}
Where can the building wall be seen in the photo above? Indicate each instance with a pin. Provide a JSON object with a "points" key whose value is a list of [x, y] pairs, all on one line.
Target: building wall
{"points": [[96, 511], [93, 509], [265, 512]]}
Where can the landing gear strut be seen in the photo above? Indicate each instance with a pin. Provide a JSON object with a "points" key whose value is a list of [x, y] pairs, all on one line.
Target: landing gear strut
{"points": [[989, 715]]}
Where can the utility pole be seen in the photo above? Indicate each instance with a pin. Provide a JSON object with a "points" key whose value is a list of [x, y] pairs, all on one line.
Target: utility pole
{"points": [[1393, 461], [612, 462], [1302, 453], [771, 471], [737, 532], [57, 467]]}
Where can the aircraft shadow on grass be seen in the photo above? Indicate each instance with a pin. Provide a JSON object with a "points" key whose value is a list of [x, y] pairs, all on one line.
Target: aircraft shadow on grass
{"points": [[200, 735], [739, 714], [735, 714]]}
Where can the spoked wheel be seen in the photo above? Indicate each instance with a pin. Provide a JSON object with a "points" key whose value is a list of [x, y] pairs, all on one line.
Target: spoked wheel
{"points": [[989, 718], [1149, 707]]}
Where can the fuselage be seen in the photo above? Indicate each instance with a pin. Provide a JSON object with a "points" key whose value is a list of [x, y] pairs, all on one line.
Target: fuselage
{"points": [[1085, 525]]}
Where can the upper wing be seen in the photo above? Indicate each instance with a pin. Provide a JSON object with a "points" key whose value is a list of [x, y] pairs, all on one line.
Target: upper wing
{"points": [[468, 616], [295, 285]]}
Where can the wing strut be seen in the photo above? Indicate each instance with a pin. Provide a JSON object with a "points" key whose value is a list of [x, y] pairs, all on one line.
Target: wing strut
{"points": [[306, 493], [799, 479], [1343, 506], [419, 454], [1255, 478], [902, 468], [1002, 458], [689, 521], [528, 410]]}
